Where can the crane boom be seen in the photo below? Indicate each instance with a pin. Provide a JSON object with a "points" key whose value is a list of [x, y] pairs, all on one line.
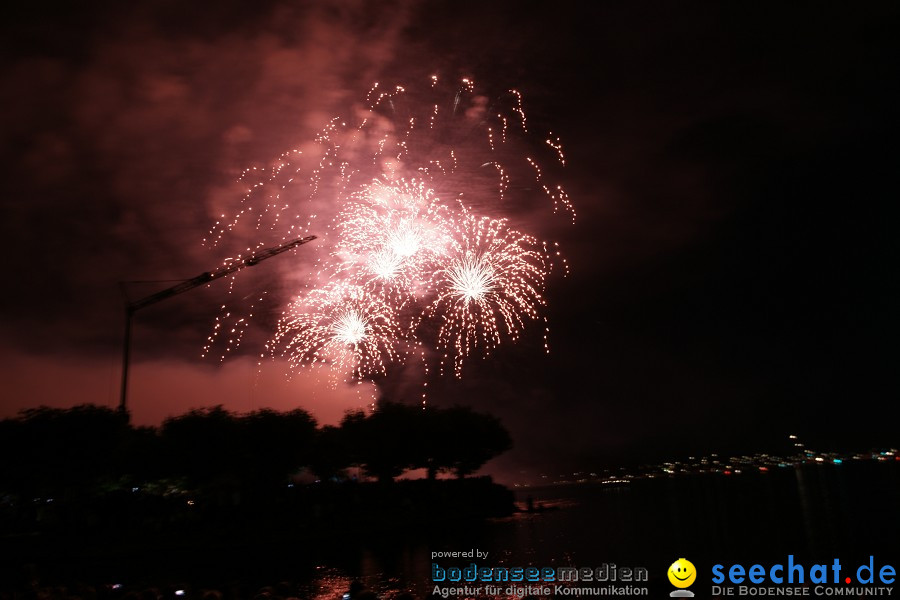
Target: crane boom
{"points": [[208, 276], [187, 285]]}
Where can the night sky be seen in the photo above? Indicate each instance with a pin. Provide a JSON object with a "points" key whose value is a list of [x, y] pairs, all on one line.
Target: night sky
{"points": [[734, 264]]}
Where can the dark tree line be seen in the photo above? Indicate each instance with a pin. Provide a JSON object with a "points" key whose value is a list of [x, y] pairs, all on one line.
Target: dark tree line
{"points": [[92, 449], [398, 437]]}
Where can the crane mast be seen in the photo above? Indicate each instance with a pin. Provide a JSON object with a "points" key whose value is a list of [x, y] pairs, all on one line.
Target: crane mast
{"points": [[187, 285]]}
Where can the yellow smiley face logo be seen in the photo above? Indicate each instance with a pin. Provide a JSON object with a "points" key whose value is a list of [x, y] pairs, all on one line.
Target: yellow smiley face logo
{"points": [[682, 573]]}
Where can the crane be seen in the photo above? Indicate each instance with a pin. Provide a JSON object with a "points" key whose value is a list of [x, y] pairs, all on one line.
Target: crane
{"points": [[132, 307]]}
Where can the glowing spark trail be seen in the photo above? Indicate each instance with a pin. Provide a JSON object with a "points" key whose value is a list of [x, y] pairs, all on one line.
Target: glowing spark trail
{"points": [[471, 278], [487, 290], [399, 271], [341, 325], [393, 231]]}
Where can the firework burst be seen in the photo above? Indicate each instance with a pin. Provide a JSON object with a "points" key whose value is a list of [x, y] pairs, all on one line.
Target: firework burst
{"points": [[491, 284], [396, 267], [389, 236], [342, 325]]}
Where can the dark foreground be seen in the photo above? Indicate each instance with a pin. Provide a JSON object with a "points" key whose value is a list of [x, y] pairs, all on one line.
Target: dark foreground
{"points": [[814, 513], [220, 536]]}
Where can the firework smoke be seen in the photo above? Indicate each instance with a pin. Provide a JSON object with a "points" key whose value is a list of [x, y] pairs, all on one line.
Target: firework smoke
{"points": [[399, 267]]}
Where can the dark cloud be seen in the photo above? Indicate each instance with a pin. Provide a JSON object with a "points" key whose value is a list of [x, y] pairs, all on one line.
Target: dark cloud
{"points": [[122, 146]]}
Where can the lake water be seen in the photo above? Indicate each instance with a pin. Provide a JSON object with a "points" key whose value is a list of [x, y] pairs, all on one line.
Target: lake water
{"points": [[815, 513]]}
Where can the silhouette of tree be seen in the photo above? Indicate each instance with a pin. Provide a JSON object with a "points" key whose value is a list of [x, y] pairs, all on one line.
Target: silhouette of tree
{"points": [[142, 454], [397, 437], [257, 450], [93, 449], [15, 472], [201, 445], [438, 438], [273, 445], [382, 442], [461, 440], [331, 453], [62, 449]]}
